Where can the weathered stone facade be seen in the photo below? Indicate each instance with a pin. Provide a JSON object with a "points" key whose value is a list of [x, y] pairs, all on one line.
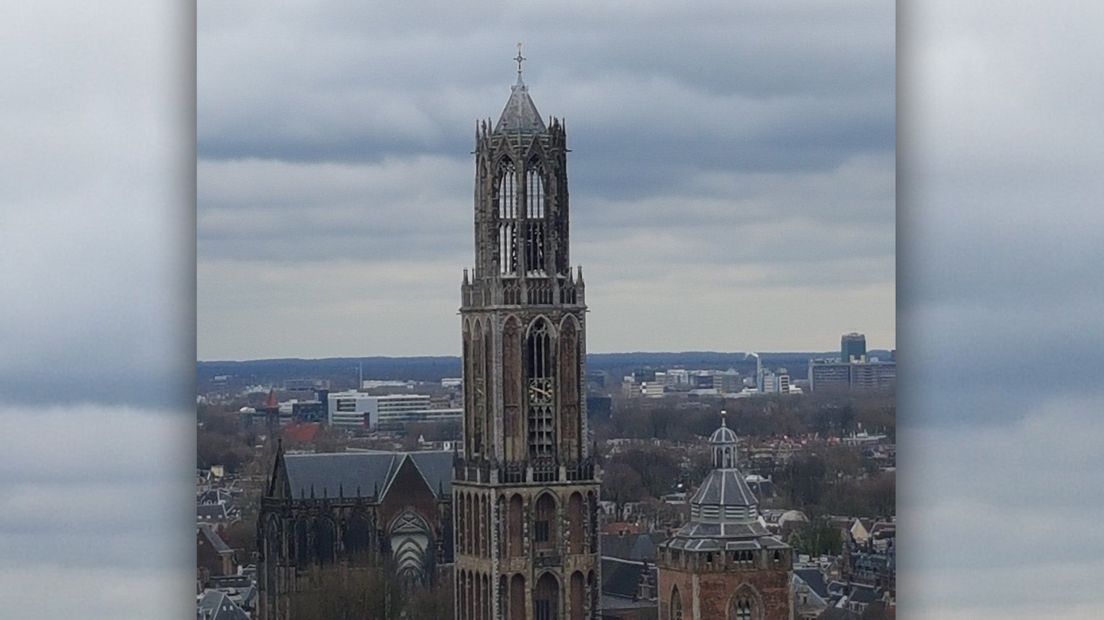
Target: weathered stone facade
{"points": [[525, 488]]}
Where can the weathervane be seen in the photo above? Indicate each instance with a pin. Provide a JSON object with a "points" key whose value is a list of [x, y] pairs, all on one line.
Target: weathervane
{"points": [[519, 59]]}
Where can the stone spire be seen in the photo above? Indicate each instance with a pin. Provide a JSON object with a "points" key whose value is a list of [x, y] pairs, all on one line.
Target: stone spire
{"points": [[520, 116]]}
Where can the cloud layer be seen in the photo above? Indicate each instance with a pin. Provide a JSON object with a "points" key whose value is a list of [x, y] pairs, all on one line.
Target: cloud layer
{"points": [[1000, 321], [97, 336], [722, 153], [92, 499]]}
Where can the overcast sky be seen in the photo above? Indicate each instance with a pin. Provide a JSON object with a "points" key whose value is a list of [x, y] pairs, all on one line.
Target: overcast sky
{"points": [[1002, 243], [1002, 240], [732, 170]]}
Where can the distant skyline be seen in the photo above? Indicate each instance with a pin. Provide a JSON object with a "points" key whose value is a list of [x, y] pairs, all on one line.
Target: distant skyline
{"points": [[640, 352], [732, 181]]}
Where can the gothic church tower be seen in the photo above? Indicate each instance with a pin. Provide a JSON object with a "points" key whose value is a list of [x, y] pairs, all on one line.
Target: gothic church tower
{"points": [[525, 490]]}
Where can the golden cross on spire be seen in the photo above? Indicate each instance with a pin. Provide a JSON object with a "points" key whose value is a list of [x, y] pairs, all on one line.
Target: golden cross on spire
{"points": [[519, 58]]}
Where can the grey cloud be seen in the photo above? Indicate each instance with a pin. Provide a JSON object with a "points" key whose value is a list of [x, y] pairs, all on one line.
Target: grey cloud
{"points": [[750, 144], [86, 319], [96, 272], [288, 211], [1000, 501], [1002, 242], [68, 592], [786, 85], [95, 486], [1000, 324]]}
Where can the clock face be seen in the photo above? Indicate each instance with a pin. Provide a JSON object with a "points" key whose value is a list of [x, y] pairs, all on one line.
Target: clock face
{"points": [[540, 391]]}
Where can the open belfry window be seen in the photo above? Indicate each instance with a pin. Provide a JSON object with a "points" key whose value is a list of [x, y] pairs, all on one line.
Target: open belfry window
{"points": [[507, 199], [534, 218]]}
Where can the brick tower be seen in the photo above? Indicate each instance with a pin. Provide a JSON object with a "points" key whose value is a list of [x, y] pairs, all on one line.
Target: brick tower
{"points": [[724, 564], [525, 491]]}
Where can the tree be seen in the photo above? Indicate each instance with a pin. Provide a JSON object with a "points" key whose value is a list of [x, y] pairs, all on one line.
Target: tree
{"points": [[843, 461], [433, 603], [340, 593], [621, 484], [658, 470], [803, 480], [241, 535], [818, 537]]}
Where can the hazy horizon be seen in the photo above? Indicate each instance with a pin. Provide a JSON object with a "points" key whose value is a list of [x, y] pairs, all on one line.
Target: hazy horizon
{"points": [[634, 352]]}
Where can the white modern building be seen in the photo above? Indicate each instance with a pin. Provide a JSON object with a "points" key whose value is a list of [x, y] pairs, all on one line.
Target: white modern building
{"points": [[653, 389], [388, 412], [774, 382], [348, 409]]}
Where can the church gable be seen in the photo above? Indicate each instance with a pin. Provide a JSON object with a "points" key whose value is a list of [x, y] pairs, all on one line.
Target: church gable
{"points": [[408, 487]]}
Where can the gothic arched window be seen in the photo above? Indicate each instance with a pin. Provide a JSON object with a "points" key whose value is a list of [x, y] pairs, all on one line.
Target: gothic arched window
{"points": [[676, 604], [324, 538], [741, 608], [570, 419], [411, 546], [506, 197], [477, 380], [357, 538], [576, 518], [516, 540], [545, 598], [302, 542], [539, 376], [544, 522], [534, 214]]}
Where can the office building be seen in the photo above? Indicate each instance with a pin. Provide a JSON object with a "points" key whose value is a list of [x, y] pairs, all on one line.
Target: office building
{"points": [[853, 347]]}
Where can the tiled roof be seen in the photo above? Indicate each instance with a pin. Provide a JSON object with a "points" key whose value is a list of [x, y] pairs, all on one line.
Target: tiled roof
{"points": [[211, 512], [636, 547], [216, 541], [362, 473], [687, 540], [723, 435], [725, 487], [622, 578], [216, 605], [520, 114], [621, 603], [863, 594], [838, 613], [303, 432], [814, 579]]}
